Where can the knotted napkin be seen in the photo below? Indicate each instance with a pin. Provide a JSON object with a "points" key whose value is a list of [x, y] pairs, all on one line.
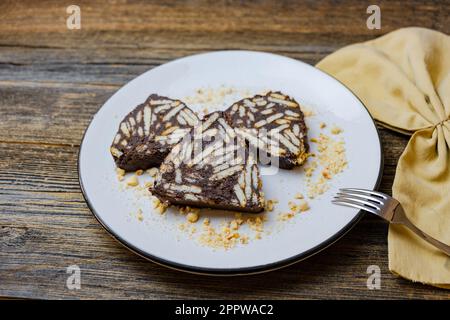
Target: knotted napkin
{"points": [[404, 80]]}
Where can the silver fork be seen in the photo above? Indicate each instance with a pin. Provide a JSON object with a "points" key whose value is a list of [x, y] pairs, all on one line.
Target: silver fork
{"points": [[385, 207]]}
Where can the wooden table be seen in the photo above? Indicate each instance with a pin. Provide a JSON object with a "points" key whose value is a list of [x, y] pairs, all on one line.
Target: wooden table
{"points": [[53, 80]]}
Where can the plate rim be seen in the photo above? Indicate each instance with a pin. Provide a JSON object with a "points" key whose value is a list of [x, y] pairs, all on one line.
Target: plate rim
{"points": [[242, 270]]}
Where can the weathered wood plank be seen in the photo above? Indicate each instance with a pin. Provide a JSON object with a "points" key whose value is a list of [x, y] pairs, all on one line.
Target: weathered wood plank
{"points": [[159, 31], [170, 30], [48, 113], [70, 73], [219, 16], [84, 67]]}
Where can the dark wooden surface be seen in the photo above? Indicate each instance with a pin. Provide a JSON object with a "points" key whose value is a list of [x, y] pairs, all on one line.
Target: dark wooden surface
{"points": [[53, 80]]}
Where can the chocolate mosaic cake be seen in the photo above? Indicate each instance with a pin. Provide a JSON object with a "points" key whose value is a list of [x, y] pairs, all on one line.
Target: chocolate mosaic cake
{"points": [[211, 167], [148, 133], [274, 124]]}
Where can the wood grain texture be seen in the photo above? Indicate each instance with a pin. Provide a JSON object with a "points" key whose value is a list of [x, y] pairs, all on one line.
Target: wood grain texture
{"points": [[53, 80]]}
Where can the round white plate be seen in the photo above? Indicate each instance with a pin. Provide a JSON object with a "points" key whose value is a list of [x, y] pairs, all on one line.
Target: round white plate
{"points": [[158, 238]]}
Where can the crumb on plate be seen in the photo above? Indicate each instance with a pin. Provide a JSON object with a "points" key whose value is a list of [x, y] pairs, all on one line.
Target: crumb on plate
{"points": [[192, 217], [132, 181], [159, 206]]}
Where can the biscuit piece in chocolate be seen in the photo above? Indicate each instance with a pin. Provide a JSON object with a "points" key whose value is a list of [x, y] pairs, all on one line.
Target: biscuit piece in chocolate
{"points": [[148, 133], [274, 124], [211, 167]]}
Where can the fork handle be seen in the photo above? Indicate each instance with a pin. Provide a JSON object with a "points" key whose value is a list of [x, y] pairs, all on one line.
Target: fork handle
{"points": [[438, 244]]}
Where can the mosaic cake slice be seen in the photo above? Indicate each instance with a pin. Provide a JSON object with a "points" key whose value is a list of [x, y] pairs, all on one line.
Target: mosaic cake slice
{"points": [[148, 133], [274, 124], [211, 167]]}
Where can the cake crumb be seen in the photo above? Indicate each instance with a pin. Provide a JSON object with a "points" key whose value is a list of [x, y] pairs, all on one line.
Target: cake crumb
{"points": [[187, 209], [336, 130], [326, 174], [292, 206], [244, 239], [235, 235], [309, 169], [120, 174], [307, 112], [192, 217], [297, 208], [159, 206], [304, 206], [323, 125], [285, 216], [139, 215], [183, 210], [132, 181], [139, 172], [153, 172], [299, 196], [269, 205]]}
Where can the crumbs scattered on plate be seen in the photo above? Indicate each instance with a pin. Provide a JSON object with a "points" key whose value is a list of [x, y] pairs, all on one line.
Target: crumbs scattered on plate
{"points": [[328, 162], [213, 99], [227, 234]]}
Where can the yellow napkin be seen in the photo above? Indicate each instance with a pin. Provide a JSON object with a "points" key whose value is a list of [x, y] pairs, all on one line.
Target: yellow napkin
{"points": [[404, 80]]}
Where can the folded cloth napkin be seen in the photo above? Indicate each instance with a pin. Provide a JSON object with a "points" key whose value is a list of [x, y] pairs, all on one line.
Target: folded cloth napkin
{"points": [[404, 80]]}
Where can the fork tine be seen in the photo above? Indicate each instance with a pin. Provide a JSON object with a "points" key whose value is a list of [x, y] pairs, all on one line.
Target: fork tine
{"points": [[349, 203], [359, 200], [362, 196], [365, 191]]}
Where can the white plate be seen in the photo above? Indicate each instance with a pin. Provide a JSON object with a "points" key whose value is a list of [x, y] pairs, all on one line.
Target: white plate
{"points": [[158, 237]]}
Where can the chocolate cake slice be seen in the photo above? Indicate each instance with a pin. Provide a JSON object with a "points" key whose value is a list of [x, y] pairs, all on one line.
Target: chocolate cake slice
{"points": [[148, 133], [211, 167], [274, 124]]}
